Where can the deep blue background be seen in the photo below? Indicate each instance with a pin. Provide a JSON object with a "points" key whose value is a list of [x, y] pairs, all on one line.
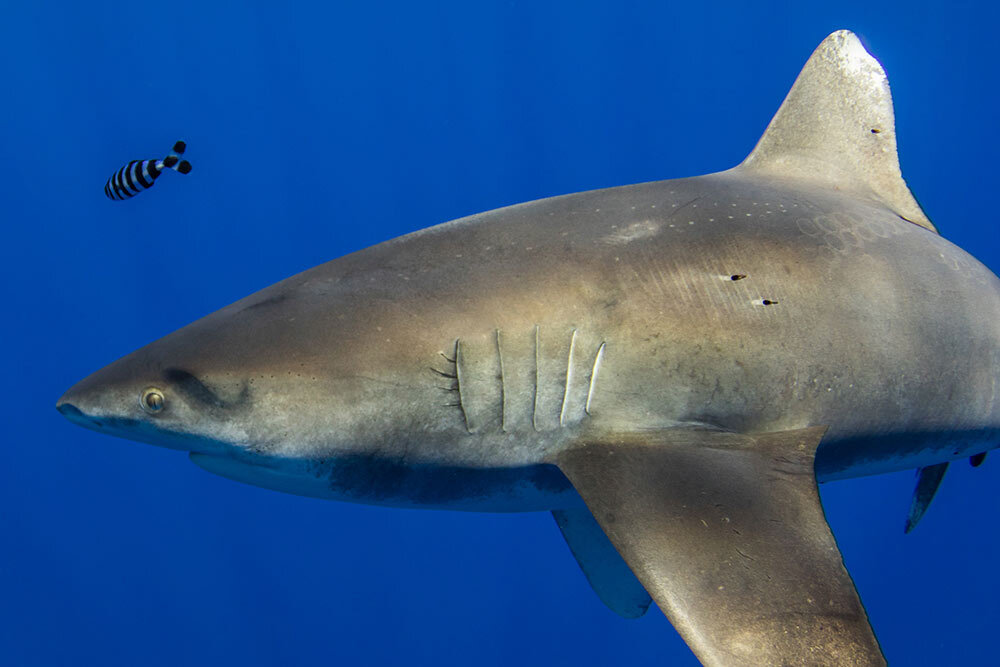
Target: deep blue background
{"points": [[316, 130]]}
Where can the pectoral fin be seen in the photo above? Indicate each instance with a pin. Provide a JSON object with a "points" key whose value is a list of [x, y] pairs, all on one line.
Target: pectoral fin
{"points": [[607, 573], [928, 481], [727, 533]]}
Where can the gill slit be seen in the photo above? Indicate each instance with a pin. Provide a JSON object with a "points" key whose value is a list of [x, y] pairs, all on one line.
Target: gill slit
{"points": [[593, 378], [569, 378], [503, 388], [458, 383], [534, 403]]}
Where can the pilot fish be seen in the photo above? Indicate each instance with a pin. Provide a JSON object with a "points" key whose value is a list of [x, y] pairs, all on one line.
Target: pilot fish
{"points": [[139, 175]]}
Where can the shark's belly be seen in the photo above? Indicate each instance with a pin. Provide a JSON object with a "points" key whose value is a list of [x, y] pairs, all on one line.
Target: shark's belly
{"points": [[374, 481], [873, 454]]}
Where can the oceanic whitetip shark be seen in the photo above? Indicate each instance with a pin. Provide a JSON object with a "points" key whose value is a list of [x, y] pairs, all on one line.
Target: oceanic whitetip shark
{"points": [[669, 368]]}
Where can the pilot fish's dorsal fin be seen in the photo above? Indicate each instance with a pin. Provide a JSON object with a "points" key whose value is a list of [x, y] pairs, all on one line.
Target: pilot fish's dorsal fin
{"points": [[836, 127]]}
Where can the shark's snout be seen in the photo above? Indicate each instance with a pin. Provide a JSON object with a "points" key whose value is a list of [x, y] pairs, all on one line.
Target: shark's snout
{"points": [[103, 398], [98, 402], [67, 405], [73, 403], [69, 410]]}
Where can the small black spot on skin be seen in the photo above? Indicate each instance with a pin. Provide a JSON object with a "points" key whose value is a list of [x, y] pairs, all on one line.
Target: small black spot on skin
{"points": [[768, 302], [737, 276]]}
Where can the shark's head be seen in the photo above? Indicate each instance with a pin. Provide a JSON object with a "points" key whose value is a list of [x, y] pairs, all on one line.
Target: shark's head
{"points": [[175, 403], [242, 381], [311, 371]]}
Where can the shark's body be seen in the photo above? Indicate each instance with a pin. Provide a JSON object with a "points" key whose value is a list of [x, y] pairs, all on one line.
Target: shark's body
{"points": [[687, 356]]}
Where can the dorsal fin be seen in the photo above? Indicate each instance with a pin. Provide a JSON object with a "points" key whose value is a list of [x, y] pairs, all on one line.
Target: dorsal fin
{"points": [[836, 128]]}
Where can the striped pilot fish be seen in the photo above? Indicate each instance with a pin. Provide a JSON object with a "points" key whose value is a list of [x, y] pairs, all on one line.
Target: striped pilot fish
{"points": [[139, 175]]}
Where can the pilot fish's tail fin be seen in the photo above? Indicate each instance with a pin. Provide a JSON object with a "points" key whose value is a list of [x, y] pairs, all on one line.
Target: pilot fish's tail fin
{"points": [[174, 161], [836, 128]]}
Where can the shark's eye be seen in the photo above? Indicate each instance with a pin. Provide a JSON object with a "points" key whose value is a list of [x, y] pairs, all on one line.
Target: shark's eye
{"points": [[151, 400]]}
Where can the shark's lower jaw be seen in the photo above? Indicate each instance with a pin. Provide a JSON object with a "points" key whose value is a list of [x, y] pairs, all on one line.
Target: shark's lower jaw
{"points": [[139, 431], [118, 426]]}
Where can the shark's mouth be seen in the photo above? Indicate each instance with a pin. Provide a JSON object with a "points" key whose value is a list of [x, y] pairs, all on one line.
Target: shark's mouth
{"points": [[118, 426], [139, 431]]}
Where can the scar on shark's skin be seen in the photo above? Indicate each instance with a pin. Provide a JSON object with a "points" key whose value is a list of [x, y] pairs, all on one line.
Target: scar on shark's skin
{"points": [[456, 378], [456, 384]]}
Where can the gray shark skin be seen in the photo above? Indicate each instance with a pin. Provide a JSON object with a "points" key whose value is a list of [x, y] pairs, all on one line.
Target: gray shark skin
{"points": [[669, 367]]}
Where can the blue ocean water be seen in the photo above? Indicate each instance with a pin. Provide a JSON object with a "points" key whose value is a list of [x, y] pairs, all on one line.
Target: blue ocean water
{"points": [[316, 129]]}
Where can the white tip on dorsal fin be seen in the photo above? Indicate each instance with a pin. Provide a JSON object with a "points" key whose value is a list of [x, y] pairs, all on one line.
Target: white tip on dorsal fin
{"points": [[836, 128]]}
